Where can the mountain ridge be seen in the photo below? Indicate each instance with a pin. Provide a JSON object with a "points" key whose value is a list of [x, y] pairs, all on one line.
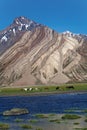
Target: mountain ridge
{"points": [[35, 54]]}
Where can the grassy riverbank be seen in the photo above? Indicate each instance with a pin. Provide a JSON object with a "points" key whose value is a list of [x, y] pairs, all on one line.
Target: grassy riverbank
{"points": [[9, 91]]}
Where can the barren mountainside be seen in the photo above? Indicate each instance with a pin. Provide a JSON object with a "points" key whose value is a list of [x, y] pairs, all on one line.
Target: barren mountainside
{"points": [[32, 54]]}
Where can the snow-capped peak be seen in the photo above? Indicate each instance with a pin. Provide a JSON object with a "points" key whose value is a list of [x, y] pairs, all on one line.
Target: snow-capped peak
{"points": [[21, 20], [24, 24], [69, 34], [19, 26]]}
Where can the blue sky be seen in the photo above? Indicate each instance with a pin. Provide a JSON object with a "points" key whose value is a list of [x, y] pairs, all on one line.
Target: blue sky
{"points": [[60, 15]]}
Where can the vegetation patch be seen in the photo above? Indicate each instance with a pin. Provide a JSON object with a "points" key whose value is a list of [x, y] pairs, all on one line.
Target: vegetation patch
{"points": [[41, 115], [85, 120], [39, 129], [76, 123], [85, 110], [80, 128], [18, 120], [71, 117], [25, 126], [55, 120], [4, 126], [33, 121]]}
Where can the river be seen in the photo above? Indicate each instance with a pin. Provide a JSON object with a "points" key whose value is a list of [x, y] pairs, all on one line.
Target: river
{"points": [[54, 103]]}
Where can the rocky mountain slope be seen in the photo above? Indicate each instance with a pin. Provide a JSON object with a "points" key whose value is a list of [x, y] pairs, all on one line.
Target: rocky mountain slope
{"points": [[32, 54]]}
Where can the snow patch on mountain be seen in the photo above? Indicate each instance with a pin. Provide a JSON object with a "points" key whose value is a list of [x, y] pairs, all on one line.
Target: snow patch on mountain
{"points": [[4, 38], [69, 34], [14, 31]]}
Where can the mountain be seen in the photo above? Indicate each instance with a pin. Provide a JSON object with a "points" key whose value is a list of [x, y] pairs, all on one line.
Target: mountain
{"points": [[31, 54]]}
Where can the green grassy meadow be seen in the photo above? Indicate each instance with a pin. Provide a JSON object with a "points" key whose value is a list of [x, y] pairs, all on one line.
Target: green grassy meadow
{"points": [[80, 87]]}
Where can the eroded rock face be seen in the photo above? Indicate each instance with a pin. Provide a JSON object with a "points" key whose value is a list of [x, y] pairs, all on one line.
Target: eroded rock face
{"points": [[43, 56]]}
